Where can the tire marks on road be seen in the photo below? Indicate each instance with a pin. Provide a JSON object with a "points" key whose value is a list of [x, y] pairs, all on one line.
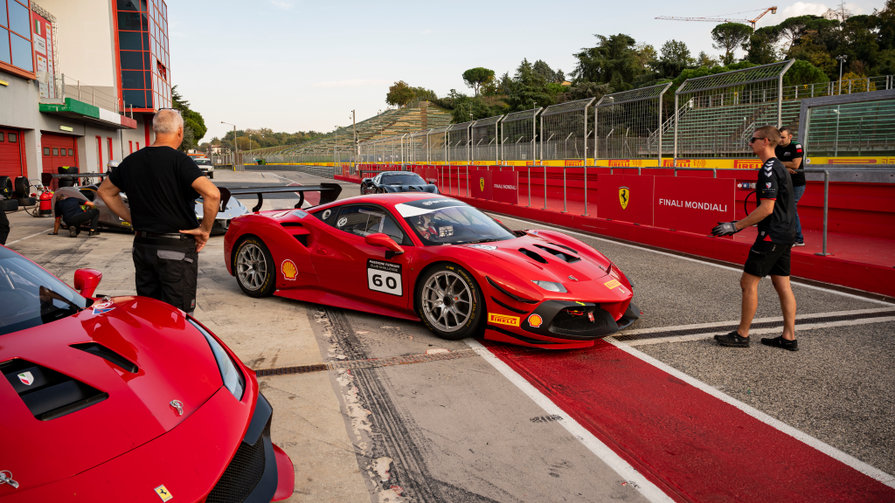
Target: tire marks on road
{"points": [[385, 440]]}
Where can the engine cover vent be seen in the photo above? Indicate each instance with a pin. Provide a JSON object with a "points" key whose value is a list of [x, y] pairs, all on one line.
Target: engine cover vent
{"points": [[48, 394]]}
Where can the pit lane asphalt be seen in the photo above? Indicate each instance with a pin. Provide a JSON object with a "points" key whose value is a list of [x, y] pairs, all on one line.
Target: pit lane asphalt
{"points": [[384, 420]]}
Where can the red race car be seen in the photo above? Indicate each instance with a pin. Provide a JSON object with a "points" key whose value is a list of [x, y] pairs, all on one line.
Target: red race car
{"points": [[124, 399], [434, 258]]}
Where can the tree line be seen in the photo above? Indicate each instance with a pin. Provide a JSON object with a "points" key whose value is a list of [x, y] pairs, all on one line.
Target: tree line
{"points": [[864, 46]]}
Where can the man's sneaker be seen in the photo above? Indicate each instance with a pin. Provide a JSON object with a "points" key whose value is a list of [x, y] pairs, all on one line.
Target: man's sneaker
{"points": [[798, 243], [733, 340], [73, 231], [93, 233], [780, 342]]}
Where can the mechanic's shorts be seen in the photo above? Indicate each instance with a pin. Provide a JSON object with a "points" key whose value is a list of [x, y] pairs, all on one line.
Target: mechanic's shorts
{"points": [[766, 258], [166, 269]]}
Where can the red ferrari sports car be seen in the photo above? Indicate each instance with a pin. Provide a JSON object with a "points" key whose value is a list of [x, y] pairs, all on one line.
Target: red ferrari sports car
{"points": [[434, 258], [124, 399]]}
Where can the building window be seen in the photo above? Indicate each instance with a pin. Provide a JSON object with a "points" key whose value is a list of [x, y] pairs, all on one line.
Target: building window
{"points": [[46, 150], [71, 152], [55, 152], [15, 35], [1, 136], [12, 137]]}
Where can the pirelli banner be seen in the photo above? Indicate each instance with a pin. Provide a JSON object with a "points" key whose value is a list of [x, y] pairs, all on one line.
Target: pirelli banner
{"points": [[499, 186], [694, 204]]}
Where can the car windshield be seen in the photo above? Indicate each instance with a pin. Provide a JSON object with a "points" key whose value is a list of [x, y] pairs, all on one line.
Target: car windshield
{"points": [[402, 179], [32, 296], [203, 162], [441, 221]]}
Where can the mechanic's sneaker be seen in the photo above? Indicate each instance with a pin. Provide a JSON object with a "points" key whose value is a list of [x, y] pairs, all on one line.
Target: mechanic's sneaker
{"points": [[733, 340], [780, 342], [93, 233], [798, 243], [73, 231]]}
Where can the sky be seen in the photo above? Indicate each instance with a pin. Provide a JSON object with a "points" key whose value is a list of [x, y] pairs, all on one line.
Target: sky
{"points": [[301, 65]]}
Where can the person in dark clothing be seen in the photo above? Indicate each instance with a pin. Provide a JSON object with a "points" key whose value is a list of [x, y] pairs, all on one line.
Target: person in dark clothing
{"points": [[68, 209], [162, 185], [770, 254], [791, 155], [4, 221]]}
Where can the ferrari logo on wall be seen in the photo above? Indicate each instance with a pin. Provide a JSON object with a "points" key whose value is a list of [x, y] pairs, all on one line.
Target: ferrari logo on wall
{"points": [[624, 195], [482, 184]]}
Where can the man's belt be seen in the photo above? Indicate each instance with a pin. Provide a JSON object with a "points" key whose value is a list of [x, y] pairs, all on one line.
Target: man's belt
{"points": [[163, 235]]}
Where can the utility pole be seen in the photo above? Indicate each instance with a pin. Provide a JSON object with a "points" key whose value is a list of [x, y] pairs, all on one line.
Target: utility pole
{"points": [[841, 58]]}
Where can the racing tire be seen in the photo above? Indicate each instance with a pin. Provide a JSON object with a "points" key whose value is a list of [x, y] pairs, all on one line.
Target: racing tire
{"points": [[254, 268], [6, 187], [449, 302]]}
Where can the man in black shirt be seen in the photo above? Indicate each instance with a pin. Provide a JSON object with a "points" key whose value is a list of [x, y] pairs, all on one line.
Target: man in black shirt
{"points": [[68, 209], [162, 185], [790, 154], [770, 254]]}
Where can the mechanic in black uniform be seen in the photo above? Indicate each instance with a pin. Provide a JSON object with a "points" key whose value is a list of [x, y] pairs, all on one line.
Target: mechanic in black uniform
{"points": [[4, 221], [770, 254], [791, 155], [162, 184], [68, 209]]}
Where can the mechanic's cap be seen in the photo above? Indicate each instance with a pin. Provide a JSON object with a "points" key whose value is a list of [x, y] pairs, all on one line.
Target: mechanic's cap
{"points": [[112, 164]]}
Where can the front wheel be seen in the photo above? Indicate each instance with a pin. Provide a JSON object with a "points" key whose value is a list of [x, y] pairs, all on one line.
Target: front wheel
{"points": [[254, 268], [449, 302]]}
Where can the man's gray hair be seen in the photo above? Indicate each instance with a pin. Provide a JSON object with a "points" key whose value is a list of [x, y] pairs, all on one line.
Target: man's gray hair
{"points": [[167, 121]]}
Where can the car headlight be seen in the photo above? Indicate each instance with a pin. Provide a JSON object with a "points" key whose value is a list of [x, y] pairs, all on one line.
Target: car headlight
{"points": [[550, 286], [230, 374]]}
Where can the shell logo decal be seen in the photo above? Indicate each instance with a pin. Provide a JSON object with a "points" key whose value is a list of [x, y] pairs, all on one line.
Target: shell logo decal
{"points": [[535, 320], [289, 270]]}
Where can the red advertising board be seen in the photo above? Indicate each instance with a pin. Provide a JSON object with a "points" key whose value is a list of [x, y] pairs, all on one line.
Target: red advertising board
{"points": [[480, 184], [628, 198], [693, 204], [505, 186]]}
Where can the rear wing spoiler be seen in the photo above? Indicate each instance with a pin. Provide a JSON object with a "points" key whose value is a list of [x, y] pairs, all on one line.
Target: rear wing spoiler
{"points": [[329, 192]]}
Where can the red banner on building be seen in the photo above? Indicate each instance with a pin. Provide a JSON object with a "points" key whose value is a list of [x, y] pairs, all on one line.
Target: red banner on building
{"points": [[628, 198], [693, 204]]}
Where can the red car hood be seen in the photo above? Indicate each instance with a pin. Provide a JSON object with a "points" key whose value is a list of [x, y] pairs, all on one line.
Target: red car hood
{"points": [[584, 272], [173, 361]]}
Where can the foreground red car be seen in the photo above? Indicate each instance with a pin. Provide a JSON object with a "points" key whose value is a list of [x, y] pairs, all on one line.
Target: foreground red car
{"points": [[434, 258], [124, 399]]}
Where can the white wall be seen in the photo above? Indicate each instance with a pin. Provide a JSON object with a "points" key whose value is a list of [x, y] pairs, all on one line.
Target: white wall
{"points": [[85, 38]]}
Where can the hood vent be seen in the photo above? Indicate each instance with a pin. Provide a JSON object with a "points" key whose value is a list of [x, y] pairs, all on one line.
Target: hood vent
{"points": [[533, 255], [109, 355], [48, 394], [565, 257]]}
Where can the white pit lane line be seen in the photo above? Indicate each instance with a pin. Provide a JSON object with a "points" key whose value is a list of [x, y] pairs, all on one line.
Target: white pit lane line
{"points": [[622, 467]]}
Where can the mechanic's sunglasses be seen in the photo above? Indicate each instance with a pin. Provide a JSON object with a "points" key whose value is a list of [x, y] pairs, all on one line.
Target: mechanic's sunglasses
{"points": [[752, 140]]}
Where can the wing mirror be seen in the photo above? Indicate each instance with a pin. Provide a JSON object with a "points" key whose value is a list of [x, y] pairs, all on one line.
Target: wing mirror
{"points": [[383, 240], [86, 281]]}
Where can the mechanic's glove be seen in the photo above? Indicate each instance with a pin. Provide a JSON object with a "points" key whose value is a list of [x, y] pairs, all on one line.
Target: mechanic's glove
{"points": [[725, 228]]}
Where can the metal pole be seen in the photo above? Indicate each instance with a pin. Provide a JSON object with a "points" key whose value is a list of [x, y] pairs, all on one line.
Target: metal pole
{"points": [[826, 210], [542, 161], [676, 117]]}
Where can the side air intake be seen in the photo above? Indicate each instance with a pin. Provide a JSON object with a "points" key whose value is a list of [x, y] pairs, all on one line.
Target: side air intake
{"points": [[48, 394]]}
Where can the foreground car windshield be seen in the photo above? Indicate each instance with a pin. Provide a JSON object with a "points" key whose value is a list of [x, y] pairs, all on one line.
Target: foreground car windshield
{"points": [[448, 221], [402, 179], [31, 296]]}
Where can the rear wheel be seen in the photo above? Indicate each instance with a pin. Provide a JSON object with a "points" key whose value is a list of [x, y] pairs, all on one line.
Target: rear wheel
{"points": [[449, 302], [254, 268]]}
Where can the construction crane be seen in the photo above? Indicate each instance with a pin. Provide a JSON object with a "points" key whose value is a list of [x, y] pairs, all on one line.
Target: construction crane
{"points": [[772, 10]]}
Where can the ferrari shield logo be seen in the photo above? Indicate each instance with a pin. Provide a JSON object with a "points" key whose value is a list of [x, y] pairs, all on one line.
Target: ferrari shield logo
{"points": [[163, 493], [482, 184], [624, 195], [26, 377]]}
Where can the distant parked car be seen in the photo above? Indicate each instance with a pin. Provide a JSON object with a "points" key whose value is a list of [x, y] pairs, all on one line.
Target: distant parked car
{"points": [[205, 166], [396, 181]]}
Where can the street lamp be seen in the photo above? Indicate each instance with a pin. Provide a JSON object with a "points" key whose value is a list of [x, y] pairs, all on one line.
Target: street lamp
{"points": [[235, 145], [841, 58]]}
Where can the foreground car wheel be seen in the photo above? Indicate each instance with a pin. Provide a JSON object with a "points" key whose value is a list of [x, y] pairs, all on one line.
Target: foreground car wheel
{"points": [[449, 302], [254, 268]]}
